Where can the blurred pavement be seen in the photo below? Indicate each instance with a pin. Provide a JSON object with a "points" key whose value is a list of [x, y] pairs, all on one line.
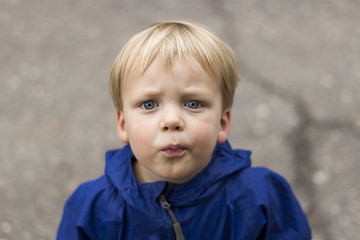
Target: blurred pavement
{"points": [[297, 107]]}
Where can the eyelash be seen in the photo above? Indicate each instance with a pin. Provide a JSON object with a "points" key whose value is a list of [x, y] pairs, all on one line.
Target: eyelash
{"points": [[145, 105], [198, 104]]}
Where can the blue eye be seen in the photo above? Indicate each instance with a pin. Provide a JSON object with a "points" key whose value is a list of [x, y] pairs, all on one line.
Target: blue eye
{"points": [[193, 104], [148, 105]]}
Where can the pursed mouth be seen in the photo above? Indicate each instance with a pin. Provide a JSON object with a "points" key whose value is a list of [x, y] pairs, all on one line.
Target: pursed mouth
{"points": [[174, 150]]}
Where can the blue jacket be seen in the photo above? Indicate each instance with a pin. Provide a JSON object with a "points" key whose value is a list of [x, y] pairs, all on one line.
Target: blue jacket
{"points": [[227, 200]]}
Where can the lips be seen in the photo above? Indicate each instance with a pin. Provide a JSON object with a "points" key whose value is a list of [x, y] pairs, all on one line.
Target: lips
{"points": [[174, 150]]}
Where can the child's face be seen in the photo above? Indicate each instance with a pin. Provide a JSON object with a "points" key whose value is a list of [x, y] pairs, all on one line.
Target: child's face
{"points": [[172, 120]]}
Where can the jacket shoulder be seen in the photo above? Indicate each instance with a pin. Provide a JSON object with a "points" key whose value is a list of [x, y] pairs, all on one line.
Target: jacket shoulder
{"points": [[259, 188], [257, 181], [94, 198], [89, 192]]}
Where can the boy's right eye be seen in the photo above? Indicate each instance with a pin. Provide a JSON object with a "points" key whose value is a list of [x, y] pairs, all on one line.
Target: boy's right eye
{"points": [[148, 105]]}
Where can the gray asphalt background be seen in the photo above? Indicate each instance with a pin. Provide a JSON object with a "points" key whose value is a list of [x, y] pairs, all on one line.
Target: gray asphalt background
{"points": [[297, 108]]}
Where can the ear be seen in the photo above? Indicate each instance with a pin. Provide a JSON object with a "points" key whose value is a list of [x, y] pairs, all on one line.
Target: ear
{"points": [[121, 126], [224, 129]]}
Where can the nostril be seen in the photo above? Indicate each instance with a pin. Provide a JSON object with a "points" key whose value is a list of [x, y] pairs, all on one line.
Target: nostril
{"points": [[175, 128]]}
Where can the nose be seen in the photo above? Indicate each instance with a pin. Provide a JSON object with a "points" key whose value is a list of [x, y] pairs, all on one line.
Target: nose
{"points": [[171, 120]]}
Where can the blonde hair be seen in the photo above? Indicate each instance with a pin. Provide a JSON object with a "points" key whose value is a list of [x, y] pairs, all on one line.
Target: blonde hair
{"points": [[175, 39]]}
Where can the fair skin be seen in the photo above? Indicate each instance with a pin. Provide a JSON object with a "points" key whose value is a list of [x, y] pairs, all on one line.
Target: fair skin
{"points": [[172, 120]]}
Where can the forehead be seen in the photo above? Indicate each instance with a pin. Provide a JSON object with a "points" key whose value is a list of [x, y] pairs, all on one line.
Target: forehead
{"points": [[176, 67], [185, 75]]}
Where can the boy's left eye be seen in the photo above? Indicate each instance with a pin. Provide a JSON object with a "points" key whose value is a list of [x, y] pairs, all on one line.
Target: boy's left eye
{"points": [[193, 104]]}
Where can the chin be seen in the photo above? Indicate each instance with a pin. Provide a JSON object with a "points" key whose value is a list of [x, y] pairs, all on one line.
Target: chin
{"points": [[178, 179]]}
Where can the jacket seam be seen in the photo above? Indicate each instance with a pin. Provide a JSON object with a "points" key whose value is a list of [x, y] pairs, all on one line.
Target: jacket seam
{"points": [[228, 184]]}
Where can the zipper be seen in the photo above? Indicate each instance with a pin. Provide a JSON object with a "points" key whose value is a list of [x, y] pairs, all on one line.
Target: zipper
{"points": [[176, 225]]}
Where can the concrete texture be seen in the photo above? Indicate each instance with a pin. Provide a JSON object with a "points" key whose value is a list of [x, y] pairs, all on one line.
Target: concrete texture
{"points": [[297, 107]]}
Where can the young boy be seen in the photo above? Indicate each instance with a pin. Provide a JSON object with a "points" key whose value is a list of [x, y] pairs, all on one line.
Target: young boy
{"points": [[178, 178]]}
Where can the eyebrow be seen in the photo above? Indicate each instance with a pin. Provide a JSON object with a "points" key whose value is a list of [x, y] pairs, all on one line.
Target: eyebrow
{"points": [[150, 92], [196, 91]]}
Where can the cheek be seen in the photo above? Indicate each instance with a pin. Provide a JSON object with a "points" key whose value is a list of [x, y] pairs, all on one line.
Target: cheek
{"points": [[139, 135], [139, 132], [205, 133], [140, 138], [204, 139]]}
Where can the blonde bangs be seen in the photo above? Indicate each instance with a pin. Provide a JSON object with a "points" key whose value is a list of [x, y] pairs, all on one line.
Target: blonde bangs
{"points": [[170, 41]]}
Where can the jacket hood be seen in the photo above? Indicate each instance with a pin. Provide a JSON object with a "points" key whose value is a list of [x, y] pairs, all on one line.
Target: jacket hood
{"points": [[225, 162]]}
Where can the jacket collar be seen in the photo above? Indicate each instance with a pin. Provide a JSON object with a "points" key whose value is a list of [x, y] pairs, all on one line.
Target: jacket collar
{"points": [[224, 162]]}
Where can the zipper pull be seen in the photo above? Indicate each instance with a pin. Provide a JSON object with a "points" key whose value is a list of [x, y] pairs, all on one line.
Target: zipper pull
{"points": [[176, 225]]}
